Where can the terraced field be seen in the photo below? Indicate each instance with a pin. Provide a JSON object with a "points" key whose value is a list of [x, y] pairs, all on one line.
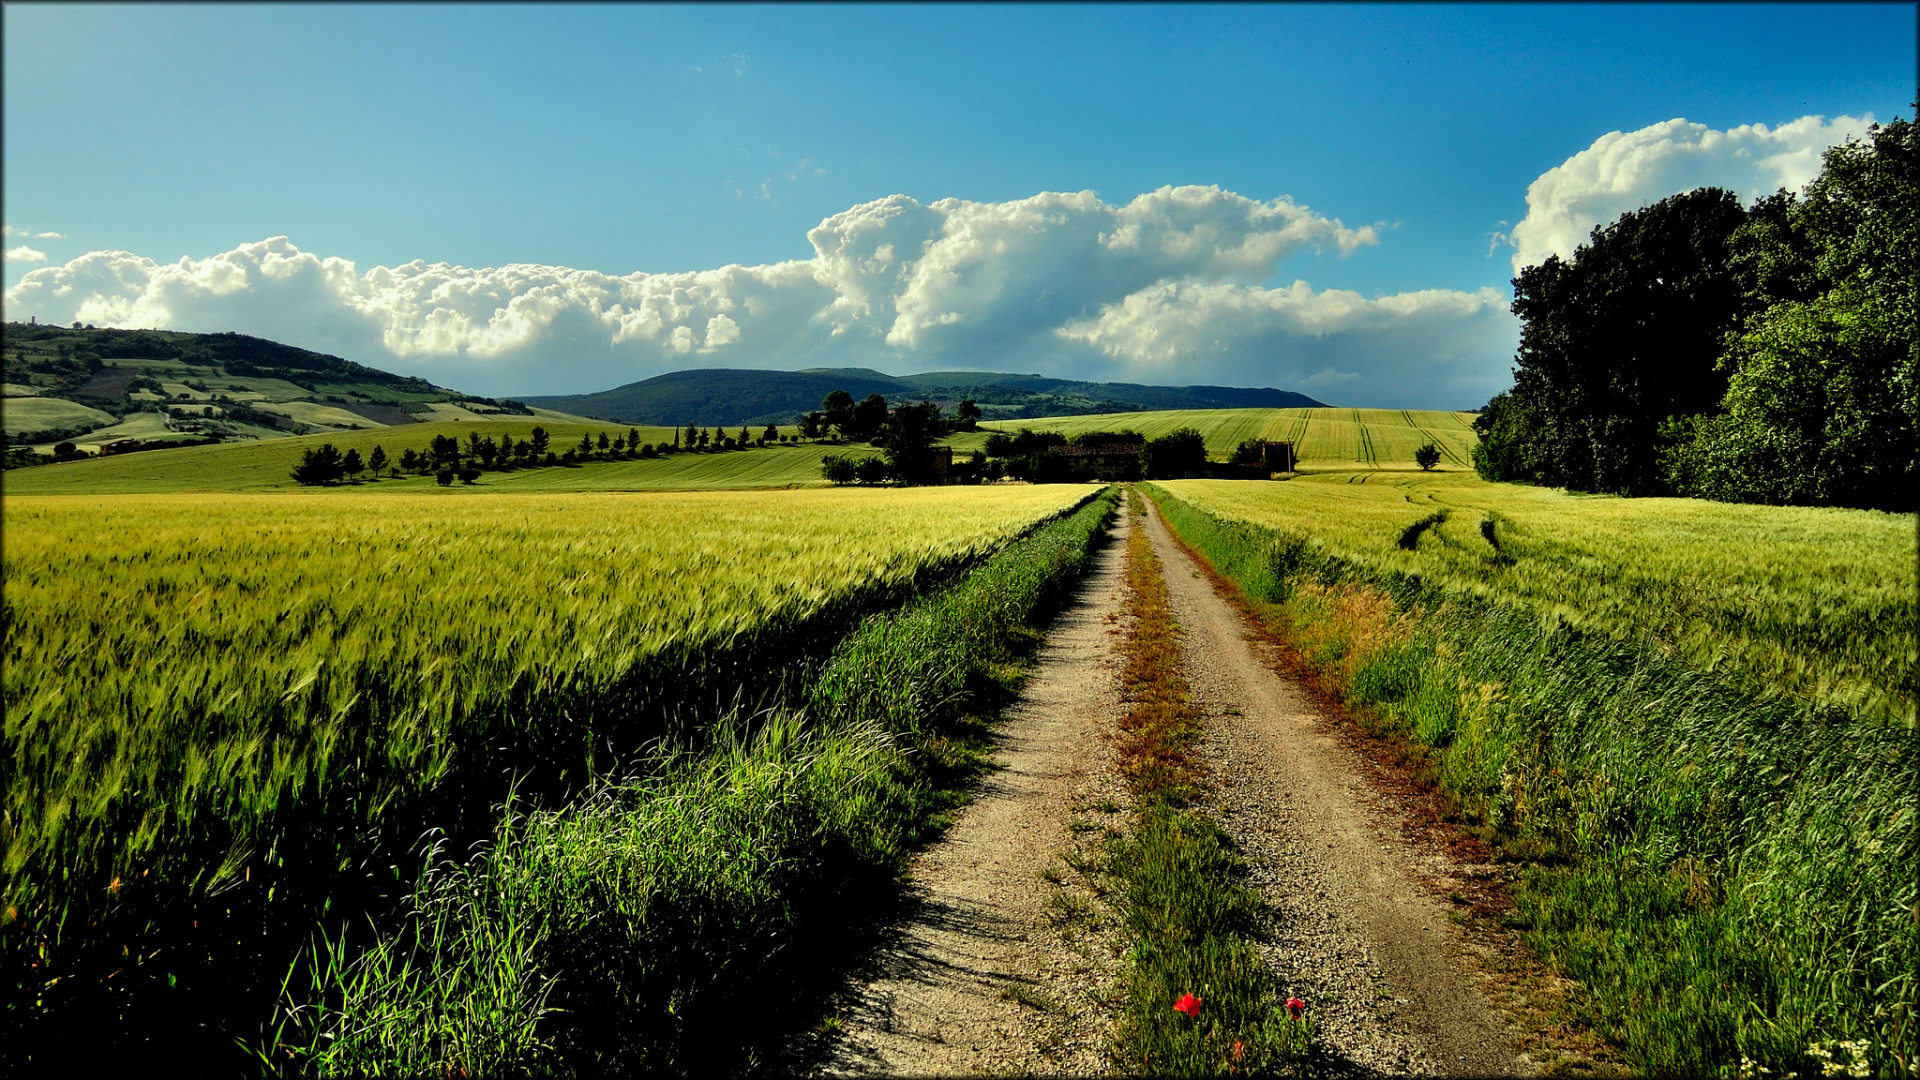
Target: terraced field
{"points": [[1323, 439]]}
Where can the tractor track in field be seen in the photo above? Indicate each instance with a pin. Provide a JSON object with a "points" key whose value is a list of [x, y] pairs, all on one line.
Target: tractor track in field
{"points": [[986, 977]]}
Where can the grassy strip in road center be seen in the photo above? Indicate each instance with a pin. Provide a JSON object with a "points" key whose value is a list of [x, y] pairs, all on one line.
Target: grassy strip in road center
{"points": [[1187, 908]]}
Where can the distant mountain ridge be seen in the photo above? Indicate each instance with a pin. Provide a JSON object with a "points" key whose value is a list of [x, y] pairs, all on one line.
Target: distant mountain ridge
{"points": [[747, 396]]}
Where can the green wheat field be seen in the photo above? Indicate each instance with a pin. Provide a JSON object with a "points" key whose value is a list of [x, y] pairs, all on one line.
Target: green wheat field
{"points": [[441, 749]]}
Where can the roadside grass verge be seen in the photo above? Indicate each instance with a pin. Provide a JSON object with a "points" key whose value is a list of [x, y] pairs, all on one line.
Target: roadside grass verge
{"points": [[690, 917], [1728, 874], [1187, 907]]}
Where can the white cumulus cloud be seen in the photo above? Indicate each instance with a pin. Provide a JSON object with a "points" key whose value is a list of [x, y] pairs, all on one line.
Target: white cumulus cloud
{"points": [[1418, 347], [1164, 287], [23, 253], [1624, 171]]}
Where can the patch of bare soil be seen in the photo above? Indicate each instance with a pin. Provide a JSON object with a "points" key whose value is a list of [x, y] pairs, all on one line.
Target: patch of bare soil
{"points": [[1392, 986], [1009, 960], [107, 384]]}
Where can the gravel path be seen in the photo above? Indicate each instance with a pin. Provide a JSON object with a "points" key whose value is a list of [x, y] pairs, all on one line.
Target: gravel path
{"points": [[1008, 963], [1351, 930]]}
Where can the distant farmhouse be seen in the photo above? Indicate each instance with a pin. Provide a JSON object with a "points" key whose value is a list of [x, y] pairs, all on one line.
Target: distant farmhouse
{"points": [[1110, 461]]}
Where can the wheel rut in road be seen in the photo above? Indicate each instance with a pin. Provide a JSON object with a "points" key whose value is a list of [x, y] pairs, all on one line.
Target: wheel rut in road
{"points": [[996, 970], [1390, 986]]}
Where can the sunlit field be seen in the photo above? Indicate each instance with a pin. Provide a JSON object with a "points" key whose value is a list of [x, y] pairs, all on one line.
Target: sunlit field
{"points": [[1812, 601], [1323, 438], [205, 691]]}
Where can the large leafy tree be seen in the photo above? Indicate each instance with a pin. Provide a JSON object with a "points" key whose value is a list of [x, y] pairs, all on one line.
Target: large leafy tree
{"points": [[1823, 402], [1614, 343], [868, 416], [1177, 454], [908, 437], [836, 411]]}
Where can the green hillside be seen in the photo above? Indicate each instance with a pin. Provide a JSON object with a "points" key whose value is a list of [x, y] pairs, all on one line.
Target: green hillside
{"points": [[1324, 439], [94, 388]]}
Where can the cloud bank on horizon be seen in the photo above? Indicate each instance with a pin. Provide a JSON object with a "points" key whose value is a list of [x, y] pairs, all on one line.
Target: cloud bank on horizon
{"points": [[1167, 288]]}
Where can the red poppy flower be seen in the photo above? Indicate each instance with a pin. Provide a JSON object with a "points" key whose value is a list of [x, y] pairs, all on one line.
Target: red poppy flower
{"points": [[1187, 1004], [1296, 1008]]}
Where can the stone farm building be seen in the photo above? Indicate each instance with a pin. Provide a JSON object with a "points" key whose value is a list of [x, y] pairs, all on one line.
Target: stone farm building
{"points": [[1112, 461]]}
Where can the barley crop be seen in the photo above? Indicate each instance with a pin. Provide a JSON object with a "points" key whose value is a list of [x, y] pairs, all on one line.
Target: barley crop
{"points": [[203, 691], [1814, 602]]}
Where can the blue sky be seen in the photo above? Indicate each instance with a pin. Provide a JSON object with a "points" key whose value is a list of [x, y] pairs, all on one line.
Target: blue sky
{"points": [[621, 139]]}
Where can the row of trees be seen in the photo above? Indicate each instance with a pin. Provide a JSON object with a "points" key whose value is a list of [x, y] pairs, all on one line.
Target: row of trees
{"points": [[907, 435], [1749, 354], [1028, 455], [867, 419], [449, 458]]}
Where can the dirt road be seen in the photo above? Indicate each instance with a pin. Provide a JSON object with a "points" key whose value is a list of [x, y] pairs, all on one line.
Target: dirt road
{"points": [[1006, 967], [1351, 929], [997, 974]]}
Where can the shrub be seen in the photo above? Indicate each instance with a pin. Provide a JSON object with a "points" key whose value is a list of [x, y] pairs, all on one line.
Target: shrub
{"points": [[838, 469], [874, 471]]}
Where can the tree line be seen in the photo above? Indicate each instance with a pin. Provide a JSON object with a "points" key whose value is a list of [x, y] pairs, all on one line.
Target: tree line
{"points": [[447, 458], [1030, 455], [906, 436], [1704, 348]]}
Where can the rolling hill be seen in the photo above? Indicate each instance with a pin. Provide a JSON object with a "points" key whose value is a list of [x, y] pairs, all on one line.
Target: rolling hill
{"points": [[733, 396], [129, 389], [228, 412]]}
